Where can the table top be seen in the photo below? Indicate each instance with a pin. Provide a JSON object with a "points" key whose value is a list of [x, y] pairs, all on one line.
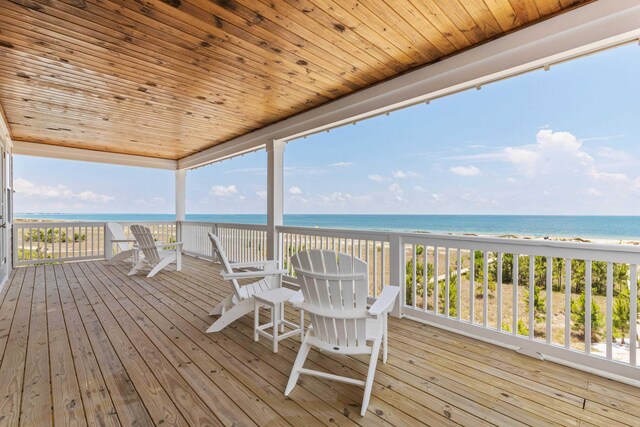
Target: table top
{"points": [[276, 295]]}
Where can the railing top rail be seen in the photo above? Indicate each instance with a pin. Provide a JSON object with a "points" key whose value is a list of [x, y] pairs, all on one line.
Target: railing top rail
{"points": [[159, 222], [444, 240], [58, 224], [261, 227], [336, 232]]}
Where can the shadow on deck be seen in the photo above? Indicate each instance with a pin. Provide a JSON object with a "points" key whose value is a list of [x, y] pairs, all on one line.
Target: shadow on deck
{"points": [[83, 343]]}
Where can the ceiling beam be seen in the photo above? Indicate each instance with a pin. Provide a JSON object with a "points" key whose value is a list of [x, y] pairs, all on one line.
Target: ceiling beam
{"points": [[67, 153], [587, 29]]}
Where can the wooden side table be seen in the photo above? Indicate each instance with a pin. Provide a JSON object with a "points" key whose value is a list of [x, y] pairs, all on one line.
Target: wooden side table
{"points": [[275, 299]]}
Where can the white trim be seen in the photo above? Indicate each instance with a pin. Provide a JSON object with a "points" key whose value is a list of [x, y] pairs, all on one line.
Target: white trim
{"points": [[67, 153], [5, 133], [590, 28]]}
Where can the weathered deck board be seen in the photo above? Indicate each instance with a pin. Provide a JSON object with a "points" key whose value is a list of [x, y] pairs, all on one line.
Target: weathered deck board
{"points": [[85, 344]]}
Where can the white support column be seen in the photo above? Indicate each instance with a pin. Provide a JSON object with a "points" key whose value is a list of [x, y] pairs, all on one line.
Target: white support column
{"points": [[396, 272], [181, 185], [275, 195], [181, 175]]}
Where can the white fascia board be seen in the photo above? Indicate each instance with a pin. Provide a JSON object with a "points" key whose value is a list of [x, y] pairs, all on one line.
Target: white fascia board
{"points": [[5, 135], [587, 29], [67, 153]]}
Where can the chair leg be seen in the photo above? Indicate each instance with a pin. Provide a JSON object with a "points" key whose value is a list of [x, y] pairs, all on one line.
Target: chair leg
{"points": [[230, 316], [178, 260], [303, 352], [162, 264], [222, 306], [384, 338], [368, 385], [275, 320], [256, 321], [121, 256], [136, 267]]}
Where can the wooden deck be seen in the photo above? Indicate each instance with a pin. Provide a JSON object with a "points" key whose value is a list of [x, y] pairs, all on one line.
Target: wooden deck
{"points": [[84, 344]]}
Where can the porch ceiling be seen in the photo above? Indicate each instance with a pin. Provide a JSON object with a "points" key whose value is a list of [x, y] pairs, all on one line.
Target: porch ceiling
{"points": [[168, 78]]}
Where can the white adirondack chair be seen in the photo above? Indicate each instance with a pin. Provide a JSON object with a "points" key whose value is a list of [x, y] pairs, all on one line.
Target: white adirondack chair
{"points": [[241, 301], [156, 256], [124, 244], [335, 288]]}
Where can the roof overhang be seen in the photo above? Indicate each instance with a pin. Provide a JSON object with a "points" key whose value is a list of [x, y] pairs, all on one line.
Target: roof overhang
{"points": [[588, 29], [596, 26]]}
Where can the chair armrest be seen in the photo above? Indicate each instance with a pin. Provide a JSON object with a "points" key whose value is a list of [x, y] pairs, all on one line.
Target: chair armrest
{"points": [[254, 264], [297, 298], [164, 245], [252, 274], [123, 240], [385, 300]]}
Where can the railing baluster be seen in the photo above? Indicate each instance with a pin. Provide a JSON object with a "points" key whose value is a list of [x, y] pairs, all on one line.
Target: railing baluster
{"points": [[549, 302], [633, 314], [567, 302], [472, 285], [425, 278], [609, 305], [485, 289], [587, 308], [447, 279], [375, 267], [414, 289], [383, 279], [532, 281], [514, 275], [436, 282], [458, 281], [499, 290]]}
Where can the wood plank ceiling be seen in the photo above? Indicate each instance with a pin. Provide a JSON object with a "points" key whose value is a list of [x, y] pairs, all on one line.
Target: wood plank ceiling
{"points": [[168, 78]]}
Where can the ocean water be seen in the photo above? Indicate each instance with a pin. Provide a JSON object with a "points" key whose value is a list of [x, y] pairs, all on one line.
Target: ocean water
{"points": [[610, 227]]}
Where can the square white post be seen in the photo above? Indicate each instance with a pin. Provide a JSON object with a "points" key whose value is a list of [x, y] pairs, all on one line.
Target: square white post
{"points": [[396, 272], [275, 195], [181, 184]]}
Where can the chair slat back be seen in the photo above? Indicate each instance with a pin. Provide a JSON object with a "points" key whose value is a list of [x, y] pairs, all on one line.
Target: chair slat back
{"points": [[337, 285], [118, 234], [220, 255], [146, 243]]}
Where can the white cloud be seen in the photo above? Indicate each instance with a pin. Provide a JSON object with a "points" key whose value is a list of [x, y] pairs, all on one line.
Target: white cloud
{"points": [[402, 174], [466, 170], [222, 191], [29, 189], [378, 178], [261, 194], [341, 164], [419, 188], [295, 190], [396, 190], [613, 154]]}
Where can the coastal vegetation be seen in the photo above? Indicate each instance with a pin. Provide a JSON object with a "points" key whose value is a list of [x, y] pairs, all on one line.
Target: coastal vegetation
{"points": [[558, 280]]}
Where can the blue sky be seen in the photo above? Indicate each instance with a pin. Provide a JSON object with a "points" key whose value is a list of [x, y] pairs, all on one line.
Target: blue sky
{"points": [[564, 141]]}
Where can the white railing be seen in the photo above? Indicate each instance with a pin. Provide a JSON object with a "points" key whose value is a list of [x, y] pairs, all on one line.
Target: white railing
{"points": [[163, 231], [467, 285], [38, 243], [242, 242], [52, 242], [571, 302]]}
